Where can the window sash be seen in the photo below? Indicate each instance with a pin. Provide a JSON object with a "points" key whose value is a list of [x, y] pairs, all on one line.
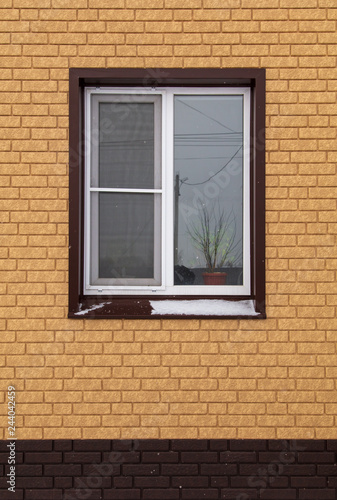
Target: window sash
{"points": [[165, 254]]}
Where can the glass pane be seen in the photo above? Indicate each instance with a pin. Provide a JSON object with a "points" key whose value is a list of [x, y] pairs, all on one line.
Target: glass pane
{"points": [[126, 236], [208, 161], [126, 145]]}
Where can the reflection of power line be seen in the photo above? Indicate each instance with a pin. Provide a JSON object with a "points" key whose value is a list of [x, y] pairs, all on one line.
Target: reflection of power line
{"points": [[211, 177], [207, 116], [203, 158]]}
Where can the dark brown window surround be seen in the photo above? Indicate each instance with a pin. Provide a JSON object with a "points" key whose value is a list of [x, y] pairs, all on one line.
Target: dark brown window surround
{"points": [[134, 307]]}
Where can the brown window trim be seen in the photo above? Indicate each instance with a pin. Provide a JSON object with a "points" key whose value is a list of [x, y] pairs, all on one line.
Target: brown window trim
{"points": [[135, 307]]}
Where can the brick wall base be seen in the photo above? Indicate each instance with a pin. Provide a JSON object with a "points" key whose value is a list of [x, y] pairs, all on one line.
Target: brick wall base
{"points": [[171, 469]]}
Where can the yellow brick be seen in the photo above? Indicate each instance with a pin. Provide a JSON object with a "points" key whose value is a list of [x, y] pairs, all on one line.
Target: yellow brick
{"points": [[154, 51], [62, 396], [82, 385], [149, 408], [103, 433], [207, 384], [90, 372], [147, 14], [184, 372], [123, 27], [92, 336], [142, 325], [161, 385], [151, 372], [91, 409], [306, 408], [40, 421], [248, 408], [198, 421], [237, 421], [140, 396], [59, 433], [82, 421], [117, 15], [102, 360], [83, 348], [180, 360], [45, 348], [314, 421], [63, 372], [276, 420], [159, 421], [298, 397], [247, 372], [183, 15]]}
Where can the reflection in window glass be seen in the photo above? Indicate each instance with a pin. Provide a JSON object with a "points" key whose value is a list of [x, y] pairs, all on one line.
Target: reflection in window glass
{"points": [[126, 145], [208, 194]]}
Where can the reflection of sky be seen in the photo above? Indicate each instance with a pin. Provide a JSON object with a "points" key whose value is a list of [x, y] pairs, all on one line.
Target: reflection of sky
{"points": [[208, 158]]}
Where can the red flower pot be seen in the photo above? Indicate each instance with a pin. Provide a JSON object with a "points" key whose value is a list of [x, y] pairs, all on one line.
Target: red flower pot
{"points": [[214, 278]]}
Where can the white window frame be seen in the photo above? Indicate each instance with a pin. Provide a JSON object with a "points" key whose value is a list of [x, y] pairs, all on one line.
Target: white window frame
{"points": [[167, 287]]}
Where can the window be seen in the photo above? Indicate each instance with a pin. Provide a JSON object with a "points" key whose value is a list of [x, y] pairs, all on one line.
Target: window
{"points": [[166, 193]]}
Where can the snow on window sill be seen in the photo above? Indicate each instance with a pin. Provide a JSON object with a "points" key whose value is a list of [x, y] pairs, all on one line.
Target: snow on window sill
{"points": [[203, 307]]}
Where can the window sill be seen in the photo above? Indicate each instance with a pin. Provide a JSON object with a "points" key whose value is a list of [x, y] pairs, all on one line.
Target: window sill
{"points": [[140, 308]]}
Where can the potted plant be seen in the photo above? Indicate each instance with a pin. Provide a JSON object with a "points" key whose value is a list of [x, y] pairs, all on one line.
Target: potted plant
{"points": [[214, 234]]}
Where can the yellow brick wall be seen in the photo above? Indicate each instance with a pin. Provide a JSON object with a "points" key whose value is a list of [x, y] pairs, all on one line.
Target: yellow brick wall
{"points": [[273, 378]]}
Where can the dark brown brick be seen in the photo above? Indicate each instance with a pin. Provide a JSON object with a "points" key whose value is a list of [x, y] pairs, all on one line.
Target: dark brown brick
{"points": [[101, 469], [327, 457], [242, 494], [332, 482], [9, 495], [35, 482], [63, 445], [327, 470], [318, 494], [160, 457], [153, 445], [52, 457], [125, 445], [299, 470], [4, 458], [195, 457], [286, 494], [77, 493], [179, 470], [308, 482], [140, 470], [34, 445], [247, 444], [218, 444], [220, 481], [52, 494], [190, 482], [152, 482], [121, 494], [238, 456], [30, 470], [167, 494], [307, 445], [120, 457], [197, 494], [218, 469], [293, 445], [92, 445], [122, 482], [331, 444], [189, 445], [63, 482], [82, 457], [62, 470], [277, 457]]}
